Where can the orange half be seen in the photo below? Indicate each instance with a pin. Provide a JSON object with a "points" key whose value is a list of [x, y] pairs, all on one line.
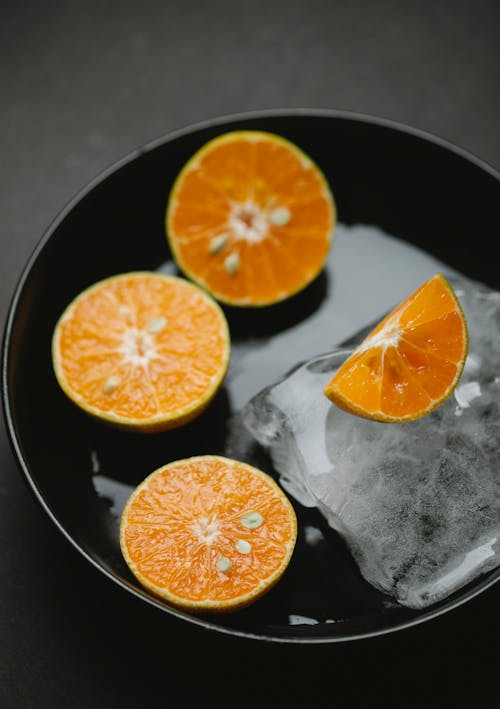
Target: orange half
{"points": [[208, 533], [410, 363], [141, 350], [250, 218]]}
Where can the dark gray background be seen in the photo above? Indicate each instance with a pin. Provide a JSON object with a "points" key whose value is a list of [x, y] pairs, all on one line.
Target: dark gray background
{"points": [[84, 83]]}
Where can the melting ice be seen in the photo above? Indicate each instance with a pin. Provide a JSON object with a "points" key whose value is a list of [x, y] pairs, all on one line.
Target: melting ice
{"points": [[417, 503]]}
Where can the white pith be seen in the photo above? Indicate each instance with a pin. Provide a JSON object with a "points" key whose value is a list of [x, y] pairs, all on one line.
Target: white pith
{"points": [[388, 336], [250, 222], [137, 347], [206, 529]]}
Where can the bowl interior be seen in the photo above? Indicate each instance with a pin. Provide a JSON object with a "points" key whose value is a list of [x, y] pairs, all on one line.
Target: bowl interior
{"points": [[412, 187]]}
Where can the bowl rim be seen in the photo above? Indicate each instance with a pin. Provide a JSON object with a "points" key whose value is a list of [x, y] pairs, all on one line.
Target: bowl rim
{"points": [[14, 438]]}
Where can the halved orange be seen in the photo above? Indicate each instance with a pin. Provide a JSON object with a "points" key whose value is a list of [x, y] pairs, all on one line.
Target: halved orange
{"points": [[250, 218], [208, 533], [410, 363], [141, 350]]}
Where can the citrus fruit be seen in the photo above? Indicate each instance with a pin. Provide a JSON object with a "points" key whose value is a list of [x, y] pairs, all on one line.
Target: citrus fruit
{"points": [[250, 218], [208, 533], [410, 363], [141, 350]]}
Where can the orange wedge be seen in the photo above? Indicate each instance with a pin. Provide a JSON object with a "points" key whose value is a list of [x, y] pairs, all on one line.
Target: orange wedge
{"points": [[142, 351], [250, 218], [208, 533], [410, 363]]}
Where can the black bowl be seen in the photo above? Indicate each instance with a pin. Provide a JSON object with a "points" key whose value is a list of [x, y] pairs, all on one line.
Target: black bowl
{"points": [[413, 186]]}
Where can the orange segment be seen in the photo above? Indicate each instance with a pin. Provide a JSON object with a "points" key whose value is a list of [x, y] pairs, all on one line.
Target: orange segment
{"points": [[208, 533], [141, 350], [410, 363], [250, 218]]}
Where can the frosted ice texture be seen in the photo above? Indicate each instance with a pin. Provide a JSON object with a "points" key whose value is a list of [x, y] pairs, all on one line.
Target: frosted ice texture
{"points": [[417, 503]]}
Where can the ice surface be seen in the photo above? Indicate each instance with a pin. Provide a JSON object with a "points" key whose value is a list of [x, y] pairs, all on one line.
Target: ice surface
{"points": [[417, 503]]}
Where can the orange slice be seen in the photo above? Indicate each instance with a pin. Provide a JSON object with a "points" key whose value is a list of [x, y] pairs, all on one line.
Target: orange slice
{"points": [[141, 350], [250, 218], [410, 363], [208, 533]]}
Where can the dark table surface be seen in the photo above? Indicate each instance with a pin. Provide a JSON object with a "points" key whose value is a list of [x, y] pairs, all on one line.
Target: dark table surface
{"points": [[82, 85]]}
